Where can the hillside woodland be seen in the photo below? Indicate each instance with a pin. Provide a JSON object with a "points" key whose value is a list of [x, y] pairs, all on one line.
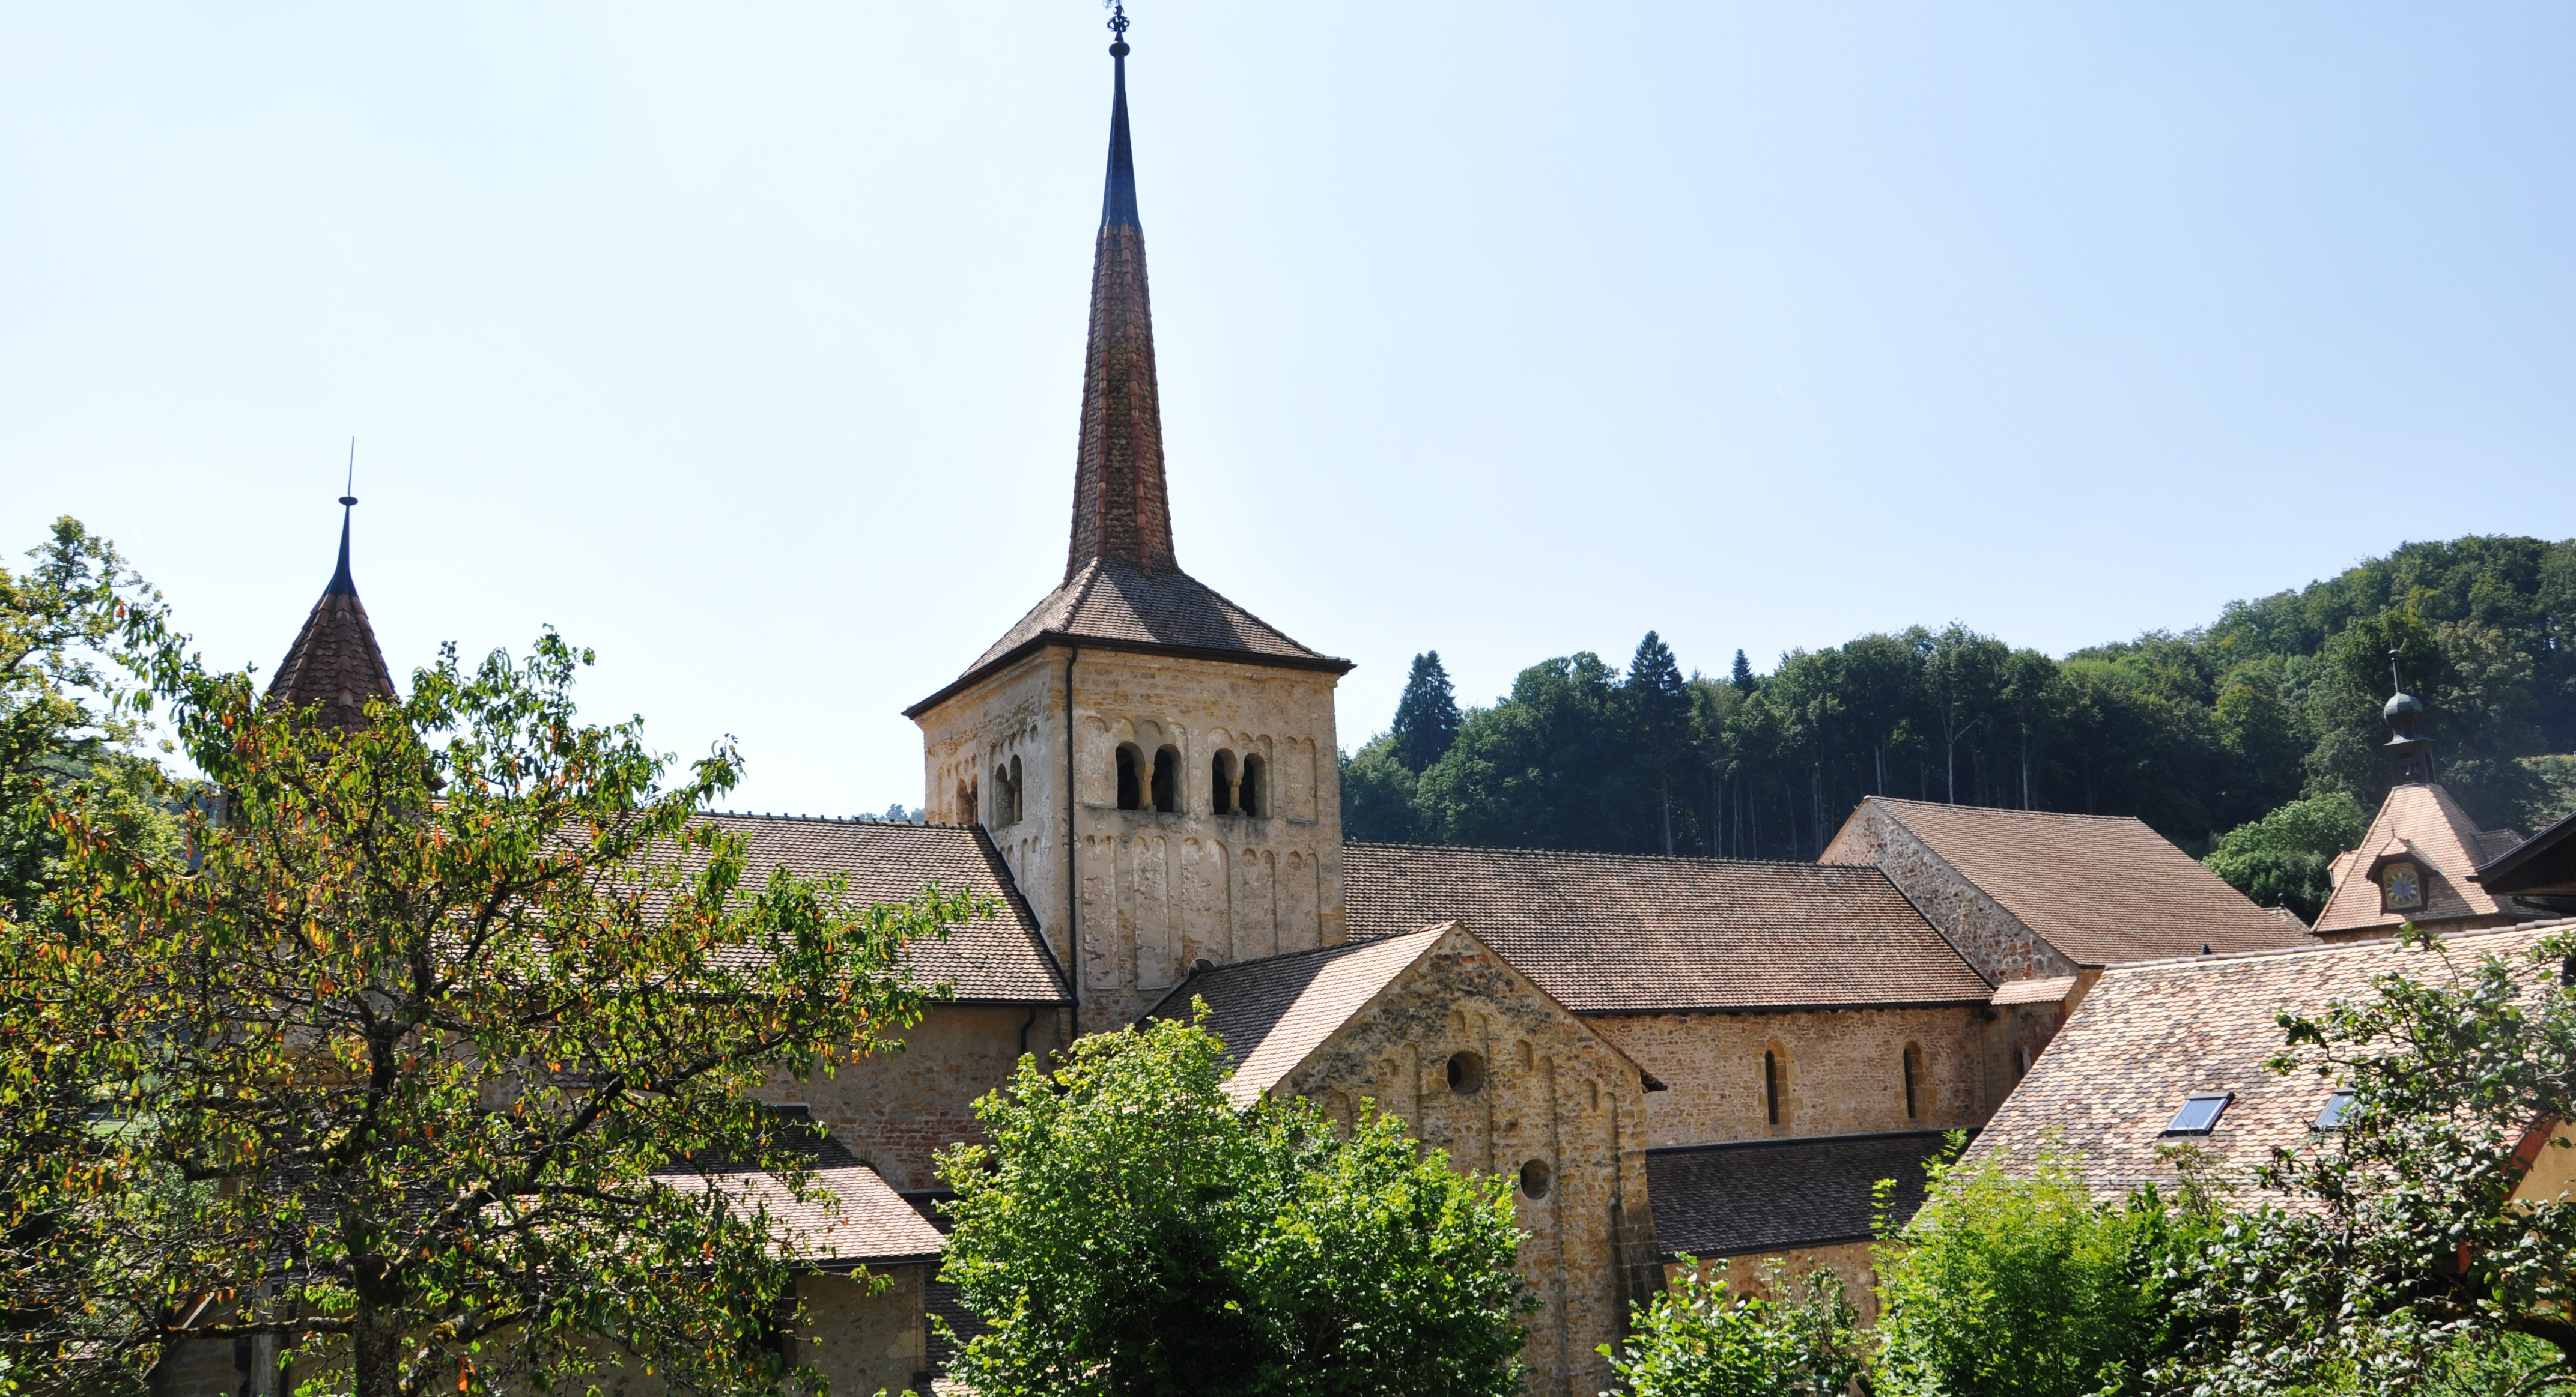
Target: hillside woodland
{"points": [[2251, 739]]}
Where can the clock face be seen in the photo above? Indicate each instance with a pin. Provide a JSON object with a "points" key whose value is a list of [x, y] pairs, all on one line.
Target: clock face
{"points": [[2404, 885]]}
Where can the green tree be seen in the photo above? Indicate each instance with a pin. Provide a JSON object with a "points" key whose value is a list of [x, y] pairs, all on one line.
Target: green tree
{"points": [[1655, 712], [70, 713], [2284, 858], [2392, 1247], [1426, 716], [1696, 1339], [1130, 1230], [422, 1062], [1377, 793], [2018, 1284], [1544, 768]]}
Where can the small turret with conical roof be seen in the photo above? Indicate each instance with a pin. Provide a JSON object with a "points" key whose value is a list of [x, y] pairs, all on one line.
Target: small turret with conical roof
{"points": [[335, 666]]}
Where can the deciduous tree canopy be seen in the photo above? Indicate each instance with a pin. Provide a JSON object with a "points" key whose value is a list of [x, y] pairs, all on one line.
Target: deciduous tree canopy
{"points": [[2195, 733]]}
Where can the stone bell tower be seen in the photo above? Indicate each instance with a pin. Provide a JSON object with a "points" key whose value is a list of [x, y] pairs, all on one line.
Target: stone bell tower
{"points": [[1157, 765]]}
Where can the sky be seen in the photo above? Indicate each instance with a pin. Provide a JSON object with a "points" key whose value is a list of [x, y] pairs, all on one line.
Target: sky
{"points": [[742, 343]]}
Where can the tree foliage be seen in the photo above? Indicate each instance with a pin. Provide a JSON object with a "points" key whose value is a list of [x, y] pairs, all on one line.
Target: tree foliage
{"points": [[2284, 859], [2392, 1248], [2019, 1284], [426, 1060], [1426, 717], [1696, 1338], [1130, 1230], [70, 714], [2195, 733]]}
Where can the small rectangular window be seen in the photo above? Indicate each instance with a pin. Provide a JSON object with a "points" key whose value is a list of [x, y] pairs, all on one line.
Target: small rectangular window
{"points": [[2338, 1107], [2199, 1113]]}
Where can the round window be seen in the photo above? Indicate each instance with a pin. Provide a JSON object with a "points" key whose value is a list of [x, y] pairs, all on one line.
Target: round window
{"points": [[1466, 1073], [1535, 1178]]}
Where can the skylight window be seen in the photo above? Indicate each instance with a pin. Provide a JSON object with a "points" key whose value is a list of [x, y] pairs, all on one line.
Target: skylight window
{"points": [[2199, 1113], [2338, 1109]]}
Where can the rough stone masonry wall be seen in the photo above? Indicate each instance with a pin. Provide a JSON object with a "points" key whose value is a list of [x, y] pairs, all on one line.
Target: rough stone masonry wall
{"points": [[1554, 1095], [1993, 940], [1842, 1071], [1158, 891], [865, 1343], [896, 1109]]}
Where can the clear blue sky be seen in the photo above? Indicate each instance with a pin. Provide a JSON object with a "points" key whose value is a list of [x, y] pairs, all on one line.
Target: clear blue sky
{"points": [[743, 342]]}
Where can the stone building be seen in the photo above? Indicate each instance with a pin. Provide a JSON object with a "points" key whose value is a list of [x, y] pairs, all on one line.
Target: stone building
{"points": [[2419, 861], [2041, 903], [1669, 1056]]}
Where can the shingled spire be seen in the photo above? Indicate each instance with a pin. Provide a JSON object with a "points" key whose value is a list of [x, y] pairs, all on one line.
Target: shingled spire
{"points": [[334, 662], [1123, 589], [1121, 511]]}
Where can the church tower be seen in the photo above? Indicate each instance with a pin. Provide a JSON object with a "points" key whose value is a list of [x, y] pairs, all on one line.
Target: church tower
{"points": [[1157, 765]]}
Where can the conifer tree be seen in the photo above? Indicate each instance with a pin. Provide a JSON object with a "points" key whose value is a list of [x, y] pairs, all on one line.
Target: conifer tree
{"points": [[1426, 718], [1658, 710]]}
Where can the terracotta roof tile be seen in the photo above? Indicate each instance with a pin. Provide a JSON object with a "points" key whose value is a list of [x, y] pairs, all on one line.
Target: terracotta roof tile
{"points": [[997, 959], [865, 1221], [2049, 991], [1773, 1195], [1624, 934], [334, 662], [2426, 823], [2147, 1036], [1273, 1013], [1115, 603], [2101, 889]]}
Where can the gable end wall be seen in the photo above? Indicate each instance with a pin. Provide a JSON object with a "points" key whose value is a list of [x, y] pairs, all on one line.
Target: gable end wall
{"points": [[1993, 939]]}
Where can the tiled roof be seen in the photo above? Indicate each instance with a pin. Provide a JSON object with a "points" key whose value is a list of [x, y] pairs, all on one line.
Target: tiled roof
{"points": [[2147, 1036], [2424, 822], [865, 1221], [998, 958], [1624, 934], [1118, 604], [2102, 889], [2049, 991], [334, 661], [1275, 1012], [1772, 1195]]}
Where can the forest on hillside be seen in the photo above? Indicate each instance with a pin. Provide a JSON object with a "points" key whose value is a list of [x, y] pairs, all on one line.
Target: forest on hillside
{"points": [[2272, 707]]}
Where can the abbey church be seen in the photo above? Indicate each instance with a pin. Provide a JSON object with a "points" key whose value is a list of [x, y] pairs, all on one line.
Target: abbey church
{"points": [[1671, 1056]]}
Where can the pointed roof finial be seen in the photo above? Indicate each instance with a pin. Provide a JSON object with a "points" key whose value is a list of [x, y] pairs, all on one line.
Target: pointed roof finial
{"points": [[342, 585], [1118, 200]]}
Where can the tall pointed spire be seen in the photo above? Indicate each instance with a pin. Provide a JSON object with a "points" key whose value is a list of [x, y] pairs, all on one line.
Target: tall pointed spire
{"points": [[335, 662], [1121, 509]]}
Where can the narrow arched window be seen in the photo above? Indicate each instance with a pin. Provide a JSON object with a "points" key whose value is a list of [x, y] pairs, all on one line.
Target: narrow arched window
{"points": [[1167, 780], [1019, 793], [1131, 784], [1913, 1081], [1771, 1087], [1221, 783], [1252, 797]]}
